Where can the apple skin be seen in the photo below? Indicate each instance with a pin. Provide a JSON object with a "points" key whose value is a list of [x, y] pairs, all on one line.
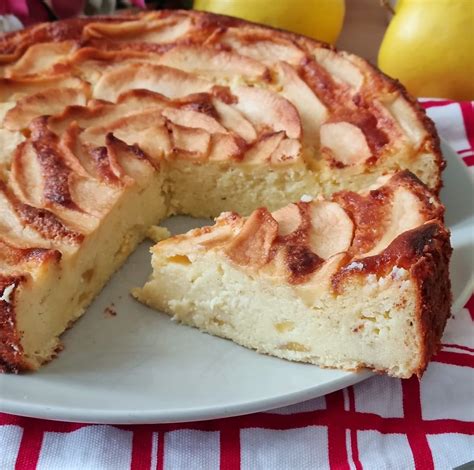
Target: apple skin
{"points": [[319, 19], [429, 47]]}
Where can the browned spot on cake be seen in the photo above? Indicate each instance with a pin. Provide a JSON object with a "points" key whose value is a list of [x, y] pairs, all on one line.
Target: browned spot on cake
{"points": [[55, 171], [402, 252], [367, 123], [100, 157], [224, 94], [370, 215], [47, 224], [319, 80], [201, 103], [301, 262], [13, 255], [253, 245]]}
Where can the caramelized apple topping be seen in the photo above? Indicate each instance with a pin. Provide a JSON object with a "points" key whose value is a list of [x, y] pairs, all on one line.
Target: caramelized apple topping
{"points": [[92, 106], [312, 245], [252, 246]]}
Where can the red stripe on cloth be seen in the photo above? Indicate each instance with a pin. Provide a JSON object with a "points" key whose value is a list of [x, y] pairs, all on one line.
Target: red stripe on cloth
{"points": [[354, 444], [336, 432], [160, 458], [465, 151], [30, 447], [433, 103], [469, 161], [470, 307], [467, 110], [141, 449], [230, 449], [44, 424], [454, 359], [348, 420], [413, 417], [458, 346]]}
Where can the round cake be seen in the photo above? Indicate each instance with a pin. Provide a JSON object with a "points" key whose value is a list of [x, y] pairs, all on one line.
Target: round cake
{"points": [[110, 124]]}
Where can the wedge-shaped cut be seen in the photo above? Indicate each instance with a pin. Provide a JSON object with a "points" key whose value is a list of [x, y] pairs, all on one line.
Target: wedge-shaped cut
{"points": [[384, 310]]}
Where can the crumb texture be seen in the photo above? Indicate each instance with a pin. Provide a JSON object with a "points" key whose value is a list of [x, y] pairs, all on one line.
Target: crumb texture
{"points": [[359, 280]]}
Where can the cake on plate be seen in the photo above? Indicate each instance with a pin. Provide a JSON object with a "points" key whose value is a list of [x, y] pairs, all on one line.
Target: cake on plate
{"points": [[110, 124], [357, 280]]}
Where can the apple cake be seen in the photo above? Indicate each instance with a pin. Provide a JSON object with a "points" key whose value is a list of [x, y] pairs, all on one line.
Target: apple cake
{"points": [[110, 124], [356, 280]]}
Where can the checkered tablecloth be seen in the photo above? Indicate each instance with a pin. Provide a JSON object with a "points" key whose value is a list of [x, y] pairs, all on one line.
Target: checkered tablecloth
{"points": [[382, 423]]}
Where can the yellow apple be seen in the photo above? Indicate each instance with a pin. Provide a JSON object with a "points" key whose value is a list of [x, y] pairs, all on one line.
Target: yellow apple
{"points": [[320, 19], [429, 47]]}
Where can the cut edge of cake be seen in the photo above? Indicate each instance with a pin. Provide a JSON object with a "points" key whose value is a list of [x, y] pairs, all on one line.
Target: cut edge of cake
{"points": [[341, 309]]}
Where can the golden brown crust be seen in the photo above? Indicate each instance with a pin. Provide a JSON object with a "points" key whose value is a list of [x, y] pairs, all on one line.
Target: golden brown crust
{"points": [[403, 252], [431, 273], [112, 98], [371, 211], [16, 257], [41, 220]]}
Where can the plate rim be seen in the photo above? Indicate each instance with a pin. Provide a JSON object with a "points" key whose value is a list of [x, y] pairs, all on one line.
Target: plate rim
{"points": [[119, 417], [176, 415], [468, 289]]}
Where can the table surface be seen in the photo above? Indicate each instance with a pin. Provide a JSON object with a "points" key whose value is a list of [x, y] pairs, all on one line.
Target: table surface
{"points": [[364, 26]]}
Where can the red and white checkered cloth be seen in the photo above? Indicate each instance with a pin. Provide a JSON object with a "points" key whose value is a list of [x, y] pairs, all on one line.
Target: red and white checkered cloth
{"points": [[382, 423]]}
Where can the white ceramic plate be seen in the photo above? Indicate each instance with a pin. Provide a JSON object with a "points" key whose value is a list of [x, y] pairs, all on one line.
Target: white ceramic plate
{"points": [[140, 367]]}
